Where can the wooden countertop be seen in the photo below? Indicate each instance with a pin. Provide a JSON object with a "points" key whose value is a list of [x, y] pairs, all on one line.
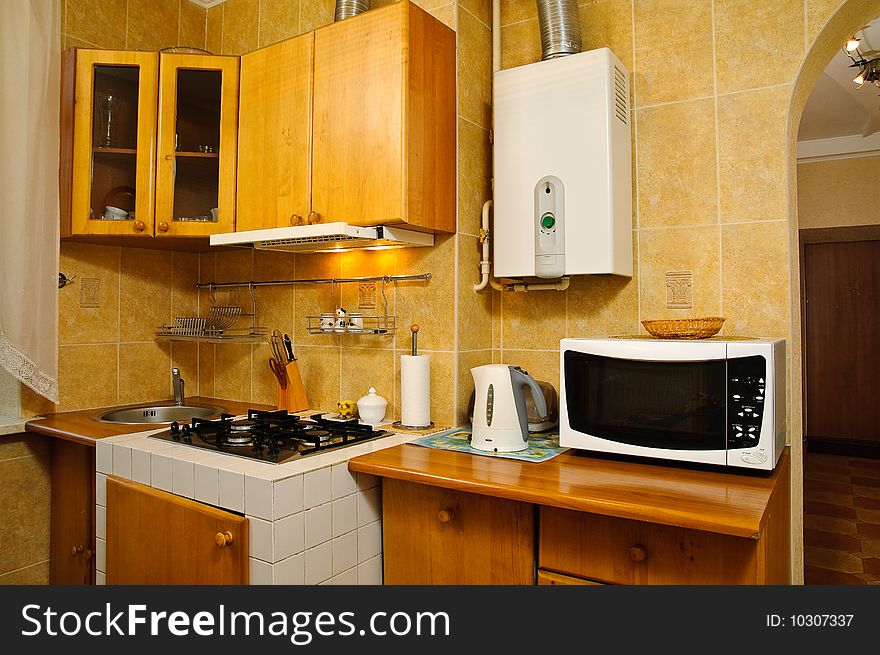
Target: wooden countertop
{"points": [[695, 498], [82, 428]]}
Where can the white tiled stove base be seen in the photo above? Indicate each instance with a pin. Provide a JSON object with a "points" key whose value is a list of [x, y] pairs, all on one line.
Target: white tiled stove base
{"points": [[310, 521]]}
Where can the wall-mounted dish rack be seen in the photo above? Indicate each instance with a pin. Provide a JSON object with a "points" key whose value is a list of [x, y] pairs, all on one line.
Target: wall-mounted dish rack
{"points": [[223, 324]]}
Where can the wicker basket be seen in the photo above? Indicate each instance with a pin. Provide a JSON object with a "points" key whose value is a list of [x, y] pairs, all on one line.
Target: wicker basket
{"points": [[684, 328]]}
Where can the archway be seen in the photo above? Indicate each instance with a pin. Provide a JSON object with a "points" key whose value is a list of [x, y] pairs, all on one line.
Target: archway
{"points": [[848, 19]]}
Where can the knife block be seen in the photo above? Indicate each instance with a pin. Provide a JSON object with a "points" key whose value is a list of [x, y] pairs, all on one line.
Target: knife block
{"points": [[293, 398]]}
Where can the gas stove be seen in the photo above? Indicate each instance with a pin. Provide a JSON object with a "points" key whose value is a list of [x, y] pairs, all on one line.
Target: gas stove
{"points": [[270, 436]]}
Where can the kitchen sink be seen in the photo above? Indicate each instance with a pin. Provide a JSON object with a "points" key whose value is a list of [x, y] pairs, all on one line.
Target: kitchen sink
{"points": [[158, 413]]}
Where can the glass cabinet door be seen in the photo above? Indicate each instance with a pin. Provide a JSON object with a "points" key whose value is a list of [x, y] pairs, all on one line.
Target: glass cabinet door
{"points": [[198, 117], [114, 139]]}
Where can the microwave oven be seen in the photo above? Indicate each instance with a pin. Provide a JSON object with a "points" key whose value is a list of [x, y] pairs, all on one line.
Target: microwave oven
{"points": [[712, 402]]}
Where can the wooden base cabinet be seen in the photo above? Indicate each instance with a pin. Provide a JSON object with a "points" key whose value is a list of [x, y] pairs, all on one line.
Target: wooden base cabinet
{"points": [[436, 536], [72, 528], [154, 537]]}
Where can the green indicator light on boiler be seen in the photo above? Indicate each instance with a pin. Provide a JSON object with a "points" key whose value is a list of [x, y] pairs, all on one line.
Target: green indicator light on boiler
{"points": [[548, 221]]}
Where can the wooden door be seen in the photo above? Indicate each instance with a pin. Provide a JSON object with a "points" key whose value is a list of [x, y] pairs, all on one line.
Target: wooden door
{"points": [[275, 135], [384, 120], [197, 144], [154, 537], [436, 536], [72, 533], [842, 333], [108, 142]]}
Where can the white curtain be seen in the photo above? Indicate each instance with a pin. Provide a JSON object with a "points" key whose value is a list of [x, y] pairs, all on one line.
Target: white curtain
{"points": [[30, 69]]}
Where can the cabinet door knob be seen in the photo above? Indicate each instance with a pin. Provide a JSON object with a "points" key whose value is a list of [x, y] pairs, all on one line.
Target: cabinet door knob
{"points": [[296, 219], [314, 217], [76, 550], [446, 515], [88, 553], [163, 226], [139, 226], [223, 539], [637, 553]]}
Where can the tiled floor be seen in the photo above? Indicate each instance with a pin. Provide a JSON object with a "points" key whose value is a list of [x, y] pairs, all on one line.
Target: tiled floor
{"points": [[841, 519]]}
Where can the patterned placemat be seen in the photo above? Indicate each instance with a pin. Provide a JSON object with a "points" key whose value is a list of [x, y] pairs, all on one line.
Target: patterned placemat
{"points": [[542, 446]]}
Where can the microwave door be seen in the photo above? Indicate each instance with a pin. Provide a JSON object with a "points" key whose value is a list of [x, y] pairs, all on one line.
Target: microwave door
{"points": [[672, 409]]}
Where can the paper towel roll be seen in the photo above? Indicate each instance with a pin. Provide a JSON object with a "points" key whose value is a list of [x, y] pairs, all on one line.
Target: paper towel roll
{"points": [[415, 390]]}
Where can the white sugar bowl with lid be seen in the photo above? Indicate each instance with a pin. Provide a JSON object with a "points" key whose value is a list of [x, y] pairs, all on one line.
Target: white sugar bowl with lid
{"points": [[371, 408]]}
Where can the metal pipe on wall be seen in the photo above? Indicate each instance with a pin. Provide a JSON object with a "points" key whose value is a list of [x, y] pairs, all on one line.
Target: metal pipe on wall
{"points": [[348, 8]]}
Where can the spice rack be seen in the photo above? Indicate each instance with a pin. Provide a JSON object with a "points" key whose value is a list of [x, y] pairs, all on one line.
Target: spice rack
{"points": [[371, 325]]}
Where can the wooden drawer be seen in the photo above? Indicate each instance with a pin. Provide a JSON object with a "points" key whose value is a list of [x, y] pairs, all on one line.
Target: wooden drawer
{"points": [[633, 552], [436, 536]]}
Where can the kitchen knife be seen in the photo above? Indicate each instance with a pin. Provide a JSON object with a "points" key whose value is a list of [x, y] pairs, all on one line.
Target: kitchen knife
{"points": [[288, 346]]}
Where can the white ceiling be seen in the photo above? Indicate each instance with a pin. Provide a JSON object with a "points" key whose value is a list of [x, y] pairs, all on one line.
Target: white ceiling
{"points": [[837, 107]]}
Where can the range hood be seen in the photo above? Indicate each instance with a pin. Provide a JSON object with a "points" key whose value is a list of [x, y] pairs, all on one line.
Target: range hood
{"points": [[324, 237]]}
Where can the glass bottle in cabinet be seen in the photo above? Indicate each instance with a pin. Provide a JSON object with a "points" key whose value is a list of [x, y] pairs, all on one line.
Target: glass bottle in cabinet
{"points": [[198, 116], [108, 142]]}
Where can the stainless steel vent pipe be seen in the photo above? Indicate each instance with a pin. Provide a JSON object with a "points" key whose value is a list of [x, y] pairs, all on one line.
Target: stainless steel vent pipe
{"points": [[560, 24], [348, 8]]}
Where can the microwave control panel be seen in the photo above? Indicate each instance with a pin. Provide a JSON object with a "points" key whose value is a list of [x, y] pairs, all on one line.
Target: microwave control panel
{"points": [[746, 378]]}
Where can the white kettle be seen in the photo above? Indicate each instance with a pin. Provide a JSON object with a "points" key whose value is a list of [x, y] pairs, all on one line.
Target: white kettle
{"points": [[500, 421]]}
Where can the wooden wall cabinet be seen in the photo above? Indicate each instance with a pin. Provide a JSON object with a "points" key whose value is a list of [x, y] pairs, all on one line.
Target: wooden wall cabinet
{"points": [[151, 134], [154, 537], [359, 129], [436, 536]]}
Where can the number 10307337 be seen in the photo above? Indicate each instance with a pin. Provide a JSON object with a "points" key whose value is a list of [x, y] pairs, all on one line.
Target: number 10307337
{"points": [[809, 620]]}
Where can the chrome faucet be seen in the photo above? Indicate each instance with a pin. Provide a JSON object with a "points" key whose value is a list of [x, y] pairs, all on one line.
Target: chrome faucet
{"points": [[177, 385]]}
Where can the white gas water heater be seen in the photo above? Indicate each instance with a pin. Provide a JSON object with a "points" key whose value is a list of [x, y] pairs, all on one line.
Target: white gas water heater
{"points": [[563, 169]]}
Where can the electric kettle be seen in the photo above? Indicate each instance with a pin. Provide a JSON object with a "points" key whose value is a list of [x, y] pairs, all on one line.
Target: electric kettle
{"points": [[500, 421]]}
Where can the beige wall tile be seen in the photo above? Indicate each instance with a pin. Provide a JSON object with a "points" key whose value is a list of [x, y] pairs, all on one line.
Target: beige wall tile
{"points": [[604, 305], [467, 361], [70, 42], [474, 309], [101, 22], [818, 13], [443, 386], [145, 372], [671, 50], [206, 370], [214, 30], [87, 376], [749, 36], [36, 574], [316, 13], [363, 368], [232, 371], [676, 164], [240, 26], [26, 444], [33, 404], [608, 24], [445, 14], [752, 156], [474, 70], [496, 319], [265, 384], [279, 20], [833, 193], [152, 24], [185, 356], [520, 43], [541, 365], [481, 9], [144, 293], [430, 304], [185, 276], [316, 299], [532, 320], [362, 264], [513, 11], [474, 174], [275, 304], [319, 367], [755, 276], [695, 249], [25, 507], [233, 265], [78, 324], [192, 25]]}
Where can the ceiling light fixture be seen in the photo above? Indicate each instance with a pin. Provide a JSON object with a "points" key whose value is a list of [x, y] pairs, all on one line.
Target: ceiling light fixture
{"points": [[867, 64]]}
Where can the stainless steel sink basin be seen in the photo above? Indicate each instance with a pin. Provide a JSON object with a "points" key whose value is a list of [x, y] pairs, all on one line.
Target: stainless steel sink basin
{"points": [[158, 413]]}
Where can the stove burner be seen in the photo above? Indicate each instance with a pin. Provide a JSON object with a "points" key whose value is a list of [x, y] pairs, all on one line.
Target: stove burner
{"points": [[272, 436]]}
